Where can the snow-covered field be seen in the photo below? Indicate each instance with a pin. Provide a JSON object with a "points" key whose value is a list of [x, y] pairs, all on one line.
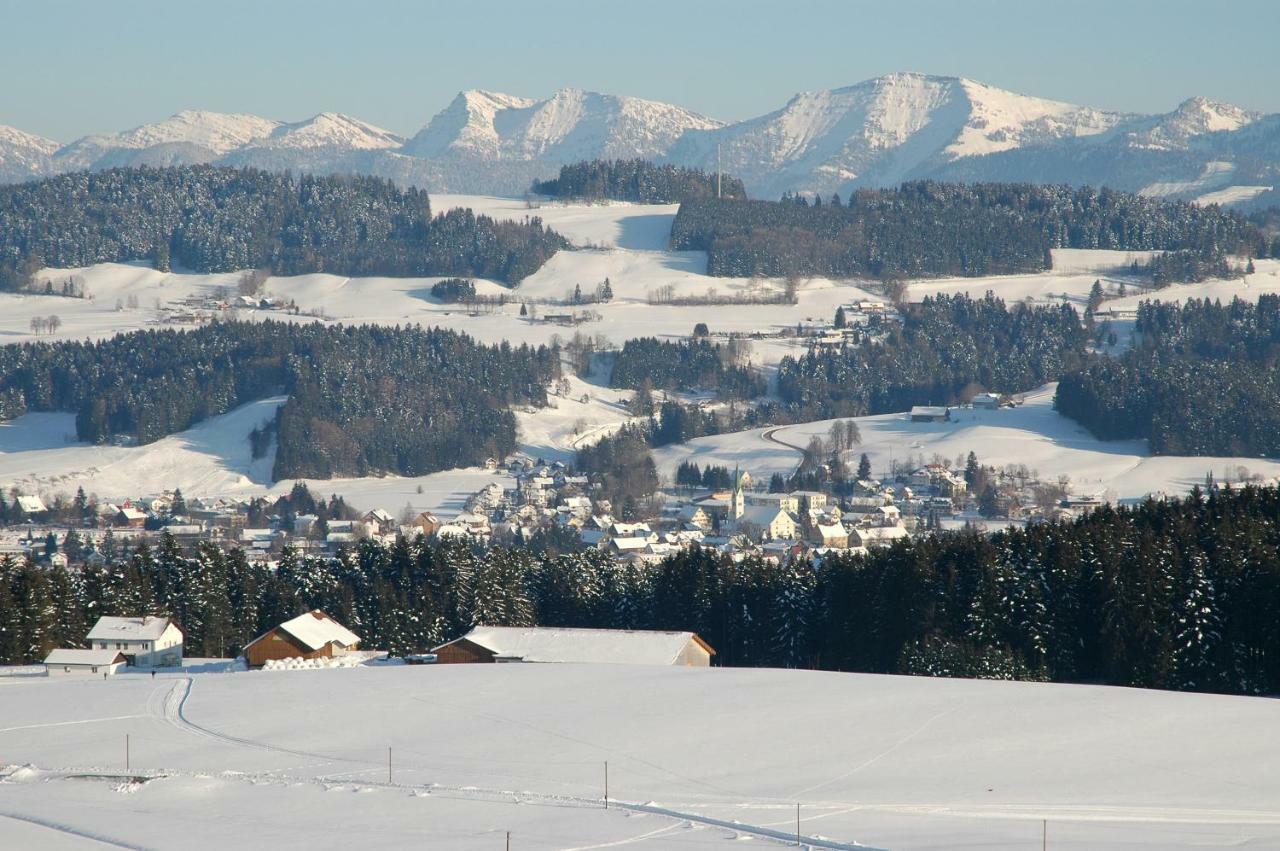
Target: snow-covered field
{"points": [[1033, 434], [628, 246], [298, 759]]}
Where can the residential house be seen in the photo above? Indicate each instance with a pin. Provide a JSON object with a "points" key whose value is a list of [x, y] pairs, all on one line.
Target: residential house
{"points": [[766, 522], [146, 642]]}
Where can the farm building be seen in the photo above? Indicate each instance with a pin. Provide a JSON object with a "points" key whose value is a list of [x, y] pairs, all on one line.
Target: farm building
{"points": [[554, 644], [84, 663], [146, 642], [929, 414], [312, 635]]}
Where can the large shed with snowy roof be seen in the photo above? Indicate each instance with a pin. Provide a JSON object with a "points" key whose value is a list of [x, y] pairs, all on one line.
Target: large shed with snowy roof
{"points": [[556, 644], [312, 635]]}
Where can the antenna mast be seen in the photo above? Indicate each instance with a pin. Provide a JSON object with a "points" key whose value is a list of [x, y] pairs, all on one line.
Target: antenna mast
{"points": [[717, 171]]}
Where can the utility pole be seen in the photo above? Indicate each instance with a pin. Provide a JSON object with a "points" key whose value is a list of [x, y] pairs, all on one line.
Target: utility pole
{"points": [[606, 784], [797, 825], [508, 840], [1044, 834]]}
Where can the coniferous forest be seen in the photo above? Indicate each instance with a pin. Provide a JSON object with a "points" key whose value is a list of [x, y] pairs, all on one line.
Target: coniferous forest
{"points": [[1178, 594], [211, 219], [929, 229], [1200, 379], [637, 180], [946, 346], [685, 365], [361, 399]]}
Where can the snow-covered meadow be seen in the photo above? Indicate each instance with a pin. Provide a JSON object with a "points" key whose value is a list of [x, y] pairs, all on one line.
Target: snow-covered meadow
{"points": [[626, 243], [299, 759]]}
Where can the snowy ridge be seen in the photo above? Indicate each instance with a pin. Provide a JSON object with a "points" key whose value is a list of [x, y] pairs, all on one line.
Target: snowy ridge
{"points": [[878, 132], [212, 132], [330, 129], [570, 125]]}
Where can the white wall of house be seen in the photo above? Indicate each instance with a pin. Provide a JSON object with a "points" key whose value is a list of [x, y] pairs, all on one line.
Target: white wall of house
{"points": [[163, 652]]}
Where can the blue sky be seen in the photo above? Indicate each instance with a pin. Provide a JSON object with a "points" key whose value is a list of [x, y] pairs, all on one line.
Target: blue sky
{"points": [[71, 68]]}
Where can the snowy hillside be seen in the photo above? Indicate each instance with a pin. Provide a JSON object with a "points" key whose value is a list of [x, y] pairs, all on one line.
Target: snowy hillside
{"points": [[881, 131], [696, 758], [38, 453]]}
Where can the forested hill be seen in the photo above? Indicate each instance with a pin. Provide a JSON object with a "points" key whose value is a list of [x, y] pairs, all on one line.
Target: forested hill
{"points": [[361, 399], [211, 219], [928, 229], [1201, 379], [637, 180]]}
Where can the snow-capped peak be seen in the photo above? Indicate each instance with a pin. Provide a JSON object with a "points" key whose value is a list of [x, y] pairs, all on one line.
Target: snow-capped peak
{"points": [[1193, 117], [571, 124], [13, 138], [331, 129]]}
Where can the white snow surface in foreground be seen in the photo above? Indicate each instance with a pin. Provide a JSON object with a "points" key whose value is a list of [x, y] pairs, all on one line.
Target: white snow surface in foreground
{"points": [[245, 759]]}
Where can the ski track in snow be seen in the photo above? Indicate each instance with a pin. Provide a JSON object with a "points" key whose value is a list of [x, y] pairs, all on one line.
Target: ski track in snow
{"points": [[170, 705], [72, 831]]}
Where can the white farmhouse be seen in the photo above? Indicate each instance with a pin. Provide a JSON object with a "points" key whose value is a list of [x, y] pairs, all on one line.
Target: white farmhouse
{"points": [[145, 642], [65, 662]]}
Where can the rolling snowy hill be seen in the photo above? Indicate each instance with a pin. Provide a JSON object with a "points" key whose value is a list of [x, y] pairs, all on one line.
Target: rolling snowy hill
{"points": [[875, 133], [697, 758]]}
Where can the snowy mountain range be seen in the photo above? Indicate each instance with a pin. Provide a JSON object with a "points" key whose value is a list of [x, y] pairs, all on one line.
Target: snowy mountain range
{"points": [[876, 133]]}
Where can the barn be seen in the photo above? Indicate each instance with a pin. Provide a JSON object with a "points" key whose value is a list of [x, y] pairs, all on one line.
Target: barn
{"points": [[312, 635], [556, 644]]}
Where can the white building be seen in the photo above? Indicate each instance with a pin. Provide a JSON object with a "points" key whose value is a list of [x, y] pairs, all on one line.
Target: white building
{"points": [[555, 644], [145, 642], [64, 662]]}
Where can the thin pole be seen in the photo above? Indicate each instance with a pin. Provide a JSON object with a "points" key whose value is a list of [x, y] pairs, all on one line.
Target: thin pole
{"points": [[508, 840], [718, 171], [797, 825], [388, 765], [126, 751], [606, 784], [1044, 834]]}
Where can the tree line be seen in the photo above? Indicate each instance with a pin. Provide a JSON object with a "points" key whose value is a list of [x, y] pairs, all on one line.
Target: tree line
{"points": [[637, 180], [360, 399], [687, 364], [1179, 594], [213, 219], [930, 229]]}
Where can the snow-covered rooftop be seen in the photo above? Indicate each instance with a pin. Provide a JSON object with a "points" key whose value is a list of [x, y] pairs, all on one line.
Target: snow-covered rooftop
{"points": [[315, 629], [146, 628], [66, 656], [551, 644]]}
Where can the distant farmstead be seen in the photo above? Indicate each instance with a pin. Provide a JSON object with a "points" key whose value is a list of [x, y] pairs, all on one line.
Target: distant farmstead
{"points": [[552, 644], [313, 635]]}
